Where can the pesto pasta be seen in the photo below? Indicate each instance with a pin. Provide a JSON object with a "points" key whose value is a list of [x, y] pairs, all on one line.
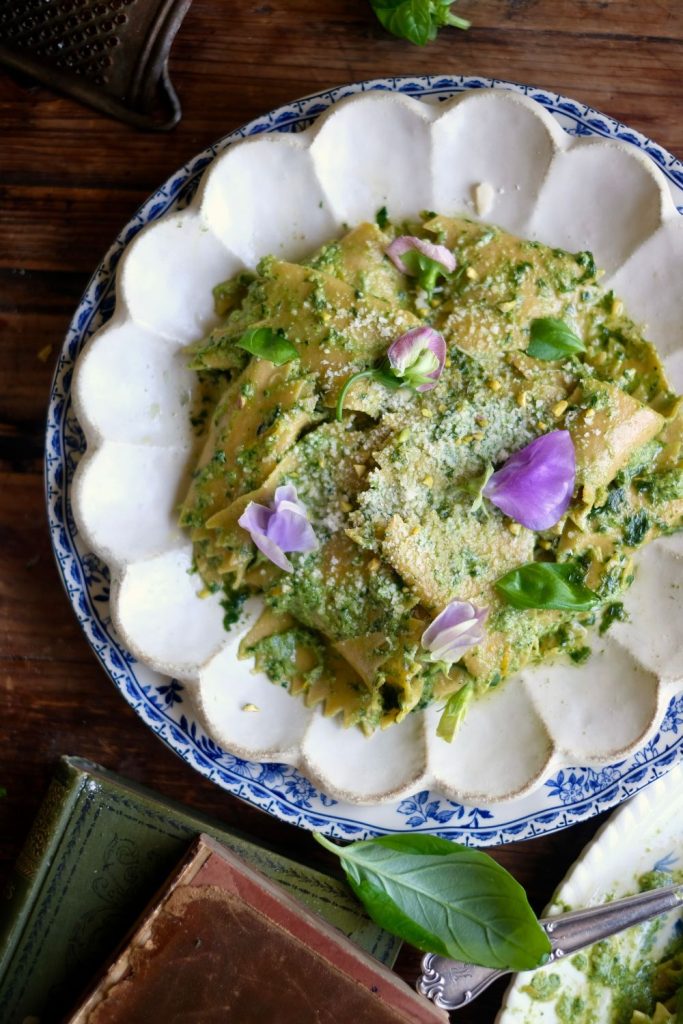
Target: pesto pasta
{"points": [[433, 449]]}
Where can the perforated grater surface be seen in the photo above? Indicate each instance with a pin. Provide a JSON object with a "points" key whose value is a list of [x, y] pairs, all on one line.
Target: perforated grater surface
{"points": [[111, 54]]}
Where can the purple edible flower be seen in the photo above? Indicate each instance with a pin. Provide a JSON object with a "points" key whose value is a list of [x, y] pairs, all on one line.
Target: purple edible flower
{"points": [[536, 484], [457, 628], [282, 527], [418, 357], [409, 243]]}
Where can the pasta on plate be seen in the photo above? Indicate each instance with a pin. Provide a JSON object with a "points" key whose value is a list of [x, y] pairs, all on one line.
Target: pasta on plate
{"points": [[433, 448]]}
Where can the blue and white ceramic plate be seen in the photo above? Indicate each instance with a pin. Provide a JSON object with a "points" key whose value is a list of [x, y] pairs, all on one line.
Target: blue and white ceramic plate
{"points": [[554, 170]]}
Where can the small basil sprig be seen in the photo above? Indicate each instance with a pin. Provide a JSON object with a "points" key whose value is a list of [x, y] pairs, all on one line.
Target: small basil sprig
{"points": [[547, 585], [444, 898], [418, 21], [268, 344], [553, 339]]}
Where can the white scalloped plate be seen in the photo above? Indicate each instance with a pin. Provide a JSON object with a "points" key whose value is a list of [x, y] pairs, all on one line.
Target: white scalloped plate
{"points": [[644, 835], [284, 190]]}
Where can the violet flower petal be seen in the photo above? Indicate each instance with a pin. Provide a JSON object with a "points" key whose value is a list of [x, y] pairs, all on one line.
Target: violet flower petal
{"points": [[536, 484], [273, 552], [255, 519], [281, 528], [405, 243], [287, 492], [406, 351], [454, 630], [291, 531]]}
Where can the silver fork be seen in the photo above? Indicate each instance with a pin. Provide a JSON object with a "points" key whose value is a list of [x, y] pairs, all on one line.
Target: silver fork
{"points": [[452, 984]]}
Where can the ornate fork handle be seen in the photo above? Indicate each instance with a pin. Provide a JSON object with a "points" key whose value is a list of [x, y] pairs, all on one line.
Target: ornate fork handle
{"points": [[452, 984]]}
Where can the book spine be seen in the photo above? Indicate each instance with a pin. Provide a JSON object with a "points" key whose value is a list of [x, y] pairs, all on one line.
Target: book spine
{"points": [[35, 857]]}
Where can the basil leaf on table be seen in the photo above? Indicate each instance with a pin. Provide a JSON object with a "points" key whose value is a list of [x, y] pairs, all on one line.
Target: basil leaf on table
{"points": [[553, 339], [268, 344], [444, 898], [547, 585], [418, 21]]}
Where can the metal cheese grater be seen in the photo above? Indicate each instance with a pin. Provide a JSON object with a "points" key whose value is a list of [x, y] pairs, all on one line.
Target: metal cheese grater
{"points": [[111, 54]]}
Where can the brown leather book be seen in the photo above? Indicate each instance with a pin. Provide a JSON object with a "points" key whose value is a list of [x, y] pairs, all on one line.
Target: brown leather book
{"points": [[221, 944]]}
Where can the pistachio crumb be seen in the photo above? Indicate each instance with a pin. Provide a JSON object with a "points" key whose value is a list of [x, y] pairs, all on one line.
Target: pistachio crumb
{"points": [[428, 481], [472, 274], [494, 385], [560, 408], [346, 506], [542, 425], [514, 528], [359, 469], [521, 399], [427, 413], [250, 707]]}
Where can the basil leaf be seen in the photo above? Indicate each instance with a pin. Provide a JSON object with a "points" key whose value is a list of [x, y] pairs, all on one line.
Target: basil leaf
{"points": [[454, 712], [418, 21], [407, 19], [445, 898], [547, 585], [553, 339], [382, 218], [268, 344]]}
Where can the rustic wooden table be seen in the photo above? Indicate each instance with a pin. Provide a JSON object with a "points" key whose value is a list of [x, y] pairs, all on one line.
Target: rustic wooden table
{"points": [[71, 178]]}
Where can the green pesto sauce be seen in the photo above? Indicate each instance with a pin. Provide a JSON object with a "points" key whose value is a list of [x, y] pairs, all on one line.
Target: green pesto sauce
{"points": [[624, 973], [613, 612], [276, 655], [232, 604], [416, 463]]}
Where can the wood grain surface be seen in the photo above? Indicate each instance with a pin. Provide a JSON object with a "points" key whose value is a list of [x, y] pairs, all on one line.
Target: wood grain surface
{"points": [[70, 178]]}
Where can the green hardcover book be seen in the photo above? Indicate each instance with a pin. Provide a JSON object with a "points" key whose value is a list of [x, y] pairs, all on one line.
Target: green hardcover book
{"points": [[98, 850]]}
